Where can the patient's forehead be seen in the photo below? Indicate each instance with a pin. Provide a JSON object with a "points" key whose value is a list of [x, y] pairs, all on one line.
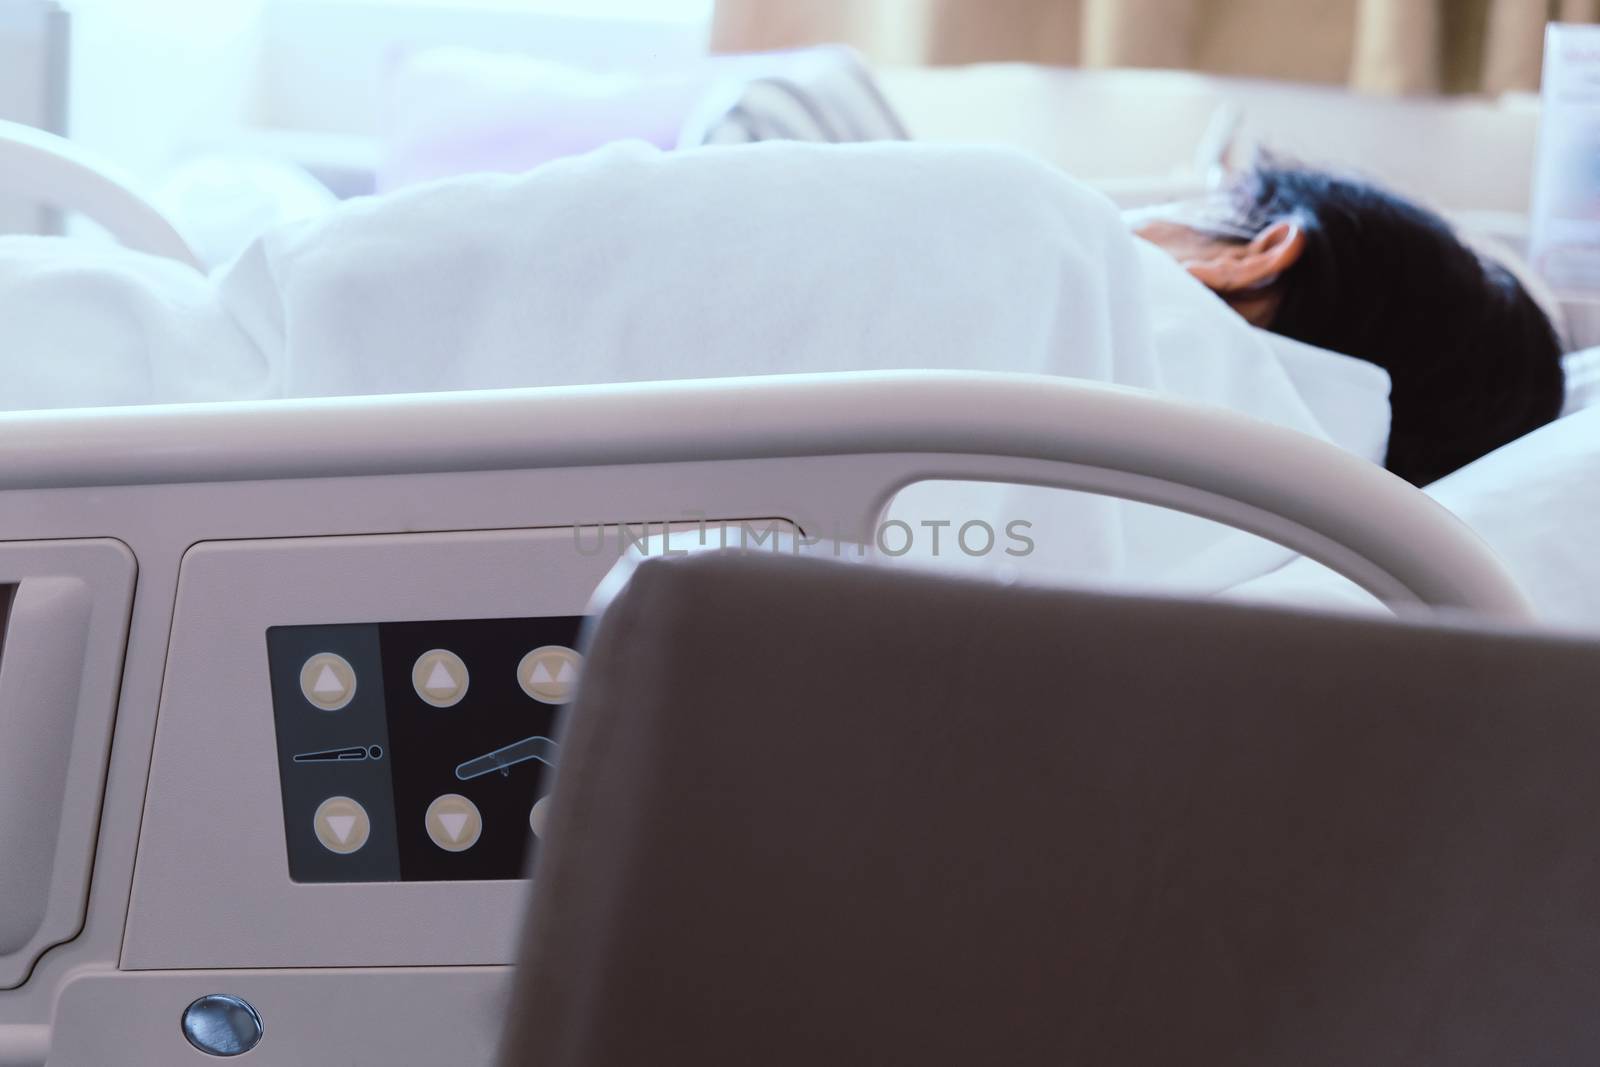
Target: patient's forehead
{"points": [[1185, 244], [1213, 216], [1174, 237]]}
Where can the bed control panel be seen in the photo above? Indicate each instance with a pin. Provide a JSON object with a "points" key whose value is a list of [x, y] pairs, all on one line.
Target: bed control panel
{"points": [[418, 751]]}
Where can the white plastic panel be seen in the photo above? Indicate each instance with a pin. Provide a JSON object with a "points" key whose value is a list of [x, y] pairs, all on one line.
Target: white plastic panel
{"points": [[59, 669], [389, 1018], [212, 887]]}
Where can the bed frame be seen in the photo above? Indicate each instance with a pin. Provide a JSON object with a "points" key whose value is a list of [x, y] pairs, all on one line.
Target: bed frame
{"points": [[147, 550]]}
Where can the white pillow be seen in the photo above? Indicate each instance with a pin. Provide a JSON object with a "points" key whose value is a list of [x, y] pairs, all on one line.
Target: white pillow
{"points": [[1583, 379], [1537, 504]]}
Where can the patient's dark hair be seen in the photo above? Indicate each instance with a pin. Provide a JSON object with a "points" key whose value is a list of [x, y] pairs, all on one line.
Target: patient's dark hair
{"points": [[1473, 360]]}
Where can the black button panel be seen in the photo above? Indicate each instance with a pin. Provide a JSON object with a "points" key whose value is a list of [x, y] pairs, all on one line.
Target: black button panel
{"points": [[415, 751]]}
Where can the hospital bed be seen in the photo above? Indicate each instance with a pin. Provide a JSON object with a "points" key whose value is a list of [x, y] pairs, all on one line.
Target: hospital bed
{"points": [[148, 812], [235, 635]]}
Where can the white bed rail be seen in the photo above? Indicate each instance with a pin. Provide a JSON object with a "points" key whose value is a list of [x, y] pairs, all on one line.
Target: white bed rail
{"points": [[1287, 487], [54, 172]]}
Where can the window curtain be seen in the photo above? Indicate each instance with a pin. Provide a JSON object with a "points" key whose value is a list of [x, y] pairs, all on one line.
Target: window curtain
{"points": [[1386, 46]]}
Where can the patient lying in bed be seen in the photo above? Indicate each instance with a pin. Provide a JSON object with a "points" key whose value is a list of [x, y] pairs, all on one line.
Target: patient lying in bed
{"points": [[1341, 264], [630, 264], [792, 258]]}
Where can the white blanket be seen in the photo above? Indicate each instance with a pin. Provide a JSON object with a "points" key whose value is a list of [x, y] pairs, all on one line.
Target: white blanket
{"points": [[629, 264]]}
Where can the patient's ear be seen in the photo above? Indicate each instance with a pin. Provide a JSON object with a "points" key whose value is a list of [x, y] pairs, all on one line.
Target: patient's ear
{"points": [[1240, 268]]}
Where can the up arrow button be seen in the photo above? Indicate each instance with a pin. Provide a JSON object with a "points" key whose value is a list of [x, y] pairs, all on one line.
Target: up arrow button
{"points": [[328, 681], [440, 677]]}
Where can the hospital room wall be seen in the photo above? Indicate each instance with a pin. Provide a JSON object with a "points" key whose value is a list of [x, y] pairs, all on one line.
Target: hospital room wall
{"points": [[150, 80], [154, 80], [325, 62]]}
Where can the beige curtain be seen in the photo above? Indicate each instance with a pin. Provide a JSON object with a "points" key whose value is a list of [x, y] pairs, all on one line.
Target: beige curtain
{"points": [[1392, 46]]}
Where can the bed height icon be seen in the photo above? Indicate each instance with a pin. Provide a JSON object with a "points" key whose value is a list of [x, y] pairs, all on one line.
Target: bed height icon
{"points": [[340, 755]]}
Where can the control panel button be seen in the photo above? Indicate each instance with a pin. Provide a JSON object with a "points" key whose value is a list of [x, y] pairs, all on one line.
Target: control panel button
{"points": [[440, 677], [549, 673], [538, 814], [328, 681], [341, 825], [453, 822], [222, 1025]]}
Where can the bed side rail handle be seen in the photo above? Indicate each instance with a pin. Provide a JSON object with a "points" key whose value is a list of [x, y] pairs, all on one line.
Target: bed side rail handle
{"points": [[41, 667]]}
